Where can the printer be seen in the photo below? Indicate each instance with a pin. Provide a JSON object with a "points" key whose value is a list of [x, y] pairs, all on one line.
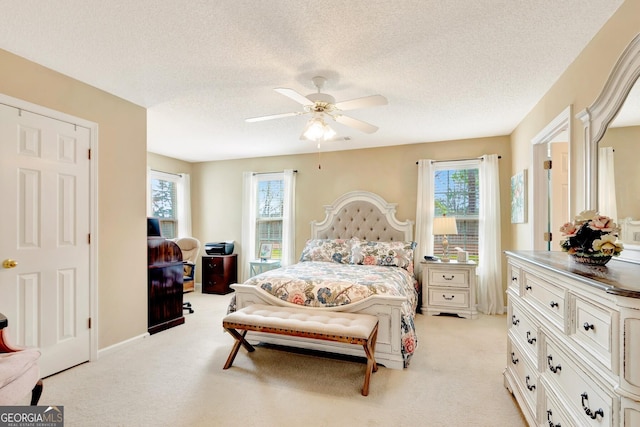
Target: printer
{"points": [[219, 248]]}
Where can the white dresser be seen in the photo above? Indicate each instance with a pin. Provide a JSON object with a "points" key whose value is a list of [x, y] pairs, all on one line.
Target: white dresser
{"points": [[573, 349], [449, 287]]}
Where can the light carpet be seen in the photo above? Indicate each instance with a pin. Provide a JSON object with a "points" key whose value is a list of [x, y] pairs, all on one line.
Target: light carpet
{"points": [[175, 378]]}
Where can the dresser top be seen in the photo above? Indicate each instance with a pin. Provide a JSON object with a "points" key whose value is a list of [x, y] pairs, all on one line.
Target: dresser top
{"points": [[616, 278]]}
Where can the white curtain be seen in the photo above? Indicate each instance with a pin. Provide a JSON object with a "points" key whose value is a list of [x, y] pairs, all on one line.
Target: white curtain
{"points": [[184, 205], [607, 203], [248, 247], [289, 218], [424, 213], [490, 293]]}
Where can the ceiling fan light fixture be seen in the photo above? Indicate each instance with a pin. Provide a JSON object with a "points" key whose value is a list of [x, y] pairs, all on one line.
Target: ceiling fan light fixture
{"points": [[317, 130]]}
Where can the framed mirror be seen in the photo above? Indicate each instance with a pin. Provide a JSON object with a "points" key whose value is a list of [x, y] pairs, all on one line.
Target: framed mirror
{"points": [[612, 138]]}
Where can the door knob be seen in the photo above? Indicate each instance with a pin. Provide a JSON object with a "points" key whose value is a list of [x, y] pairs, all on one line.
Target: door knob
{"points": [[9, 263]]}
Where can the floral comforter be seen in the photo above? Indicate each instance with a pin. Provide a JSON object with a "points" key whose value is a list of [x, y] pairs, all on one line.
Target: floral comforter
{"points": [[329, 284]]}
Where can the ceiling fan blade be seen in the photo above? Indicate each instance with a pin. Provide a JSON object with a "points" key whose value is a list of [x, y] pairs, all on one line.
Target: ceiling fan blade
{"points": [[296, 96], [367, 101], [356, 124], [273, 116]]}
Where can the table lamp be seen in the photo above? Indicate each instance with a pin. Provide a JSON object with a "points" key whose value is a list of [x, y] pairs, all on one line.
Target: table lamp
{"points": [[444, 225]]}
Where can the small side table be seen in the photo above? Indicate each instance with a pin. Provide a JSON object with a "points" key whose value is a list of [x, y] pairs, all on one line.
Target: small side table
{"points": [[256, 267], [449, 287]]}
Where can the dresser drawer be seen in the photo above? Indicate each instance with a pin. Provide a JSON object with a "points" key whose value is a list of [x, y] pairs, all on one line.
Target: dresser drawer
{"points": [[448, 298], [524, 330], [594, 330], [524, 373], [513, 274], [592, 404], [550, 299], [449, 278], [553, 413]]}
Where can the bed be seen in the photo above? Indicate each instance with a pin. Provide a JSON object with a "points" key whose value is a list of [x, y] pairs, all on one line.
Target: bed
{"points": [[359, 259]]}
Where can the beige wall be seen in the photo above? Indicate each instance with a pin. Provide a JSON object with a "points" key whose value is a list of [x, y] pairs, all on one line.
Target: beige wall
{"points": [[390, 172], [122, 275], [579, 86]]}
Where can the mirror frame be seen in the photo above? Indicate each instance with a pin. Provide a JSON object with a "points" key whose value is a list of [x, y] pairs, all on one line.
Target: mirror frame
{"points": [[600, 114], [597, 118]]}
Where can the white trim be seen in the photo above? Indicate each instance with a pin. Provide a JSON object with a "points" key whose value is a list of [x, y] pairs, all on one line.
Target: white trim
{"points": [[538, 183], [93, 204], [122, 344]]}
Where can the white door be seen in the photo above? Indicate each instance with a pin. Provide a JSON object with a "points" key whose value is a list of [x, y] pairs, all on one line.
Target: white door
{"points": [[559, 191], [45, 181]]}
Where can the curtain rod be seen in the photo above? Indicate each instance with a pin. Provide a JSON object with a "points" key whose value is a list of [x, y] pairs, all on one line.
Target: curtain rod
{"points": [[266, 173], [458, 160], [168, 173]]}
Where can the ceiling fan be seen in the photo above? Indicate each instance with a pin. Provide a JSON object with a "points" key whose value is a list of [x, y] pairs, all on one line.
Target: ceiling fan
{"points": [[319, 105]]}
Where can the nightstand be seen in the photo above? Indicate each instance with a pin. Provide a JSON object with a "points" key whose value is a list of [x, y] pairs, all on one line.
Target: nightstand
{"points": [[449, 287], [258, 266]]}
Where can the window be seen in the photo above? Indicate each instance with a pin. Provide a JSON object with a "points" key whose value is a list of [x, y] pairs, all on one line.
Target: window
{"points": [[163, 200], [457, 194], [269, 214]]}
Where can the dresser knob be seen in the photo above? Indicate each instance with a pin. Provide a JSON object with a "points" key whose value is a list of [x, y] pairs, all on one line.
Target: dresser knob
{"points": [[553, 304], [588, 410], [528, 287], [447, 278], [514, 321], [588, 326], [552, 368], [514, 278], [514, 360], [550, 421], [531, 387], [530, 340], [448, 298]]}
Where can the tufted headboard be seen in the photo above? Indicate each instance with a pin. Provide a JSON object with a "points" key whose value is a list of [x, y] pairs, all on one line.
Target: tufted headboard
{"points": [[364, 215]]}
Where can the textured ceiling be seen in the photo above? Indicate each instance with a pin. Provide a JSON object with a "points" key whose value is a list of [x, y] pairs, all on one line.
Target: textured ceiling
{"points": [[450, 69]]}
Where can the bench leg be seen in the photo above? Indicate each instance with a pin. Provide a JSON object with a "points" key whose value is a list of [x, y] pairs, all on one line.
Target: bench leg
{"points": [[239, 337], [372, 366]]}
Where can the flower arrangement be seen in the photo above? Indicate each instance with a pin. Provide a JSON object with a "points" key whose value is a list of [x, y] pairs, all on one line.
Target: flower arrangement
{"points": [[591, 235]]}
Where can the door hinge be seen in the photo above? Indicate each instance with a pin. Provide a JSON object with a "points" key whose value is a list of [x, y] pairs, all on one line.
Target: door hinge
{"points": [[546, 165], [89, 322], [89, 238], [89, 154], [547, 236]]}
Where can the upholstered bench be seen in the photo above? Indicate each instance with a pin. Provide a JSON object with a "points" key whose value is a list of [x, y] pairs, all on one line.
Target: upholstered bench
{"points": [[350, 328]]}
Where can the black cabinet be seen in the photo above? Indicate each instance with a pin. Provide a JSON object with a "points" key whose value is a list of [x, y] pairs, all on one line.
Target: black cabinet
{"points": [[218, 272]]}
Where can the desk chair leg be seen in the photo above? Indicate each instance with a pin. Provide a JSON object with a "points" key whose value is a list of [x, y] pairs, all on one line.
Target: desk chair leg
{"points": [[187, 306], [36, 393]]}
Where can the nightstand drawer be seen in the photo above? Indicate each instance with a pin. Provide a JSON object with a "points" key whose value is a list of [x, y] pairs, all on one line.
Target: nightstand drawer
{"points": [[454, 279], [448, 298]]}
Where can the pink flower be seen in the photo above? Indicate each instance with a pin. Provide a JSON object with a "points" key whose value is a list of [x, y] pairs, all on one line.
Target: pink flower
{"points": [[296, 299], [369, 260], [568, 228], [409, 344], [602, 223]]}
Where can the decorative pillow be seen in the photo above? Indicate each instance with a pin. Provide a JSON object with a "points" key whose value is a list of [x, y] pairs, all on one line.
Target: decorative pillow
{"points": [[327, 250], [398, 254]]}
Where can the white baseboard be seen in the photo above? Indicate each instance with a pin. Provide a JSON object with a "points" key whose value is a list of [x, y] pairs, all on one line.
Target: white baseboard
{"points": [[115, 347]]}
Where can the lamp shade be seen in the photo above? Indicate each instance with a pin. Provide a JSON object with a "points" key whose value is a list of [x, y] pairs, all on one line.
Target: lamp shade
{"points": [[445, 225]]}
